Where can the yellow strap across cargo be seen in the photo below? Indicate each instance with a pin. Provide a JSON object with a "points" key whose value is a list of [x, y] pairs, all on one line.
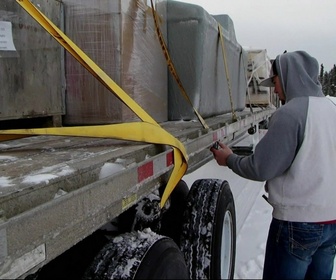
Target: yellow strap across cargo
{"points": [[234, 117], [137, 131], [147, 131], [172, 69], [134, 131]]}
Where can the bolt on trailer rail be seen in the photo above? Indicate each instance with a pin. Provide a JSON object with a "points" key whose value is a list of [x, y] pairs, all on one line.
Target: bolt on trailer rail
{"points": [[68, 197]]}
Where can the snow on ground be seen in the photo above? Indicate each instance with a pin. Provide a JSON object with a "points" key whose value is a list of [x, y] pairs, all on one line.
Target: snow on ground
{"points": [[332, 98]]}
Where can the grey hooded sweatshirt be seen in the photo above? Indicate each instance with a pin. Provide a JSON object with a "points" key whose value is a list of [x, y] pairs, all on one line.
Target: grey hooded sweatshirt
{"points": [[297, 155]]}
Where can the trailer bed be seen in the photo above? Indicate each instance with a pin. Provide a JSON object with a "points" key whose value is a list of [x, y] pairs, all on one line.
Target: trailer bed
{"points": [[55, 191]]}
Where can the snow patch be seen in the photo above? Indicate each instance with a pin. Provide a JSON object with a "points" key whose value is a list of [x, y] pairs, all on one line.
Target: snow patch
{"points": [[55, 169], [5, 182], [65, 171], [60, 193], [3, 146], [121, 161], [38, 178], [128, 267], [148, 234], [332, 98], [147, 210], [109, 169], [250, 268], [154, 196], [118, 239], [7, 158], [47, 173]]}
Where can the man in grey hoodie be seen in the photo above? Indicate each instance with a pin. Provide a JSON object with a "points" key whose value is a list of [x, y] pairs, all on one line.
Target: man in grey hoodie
{"points": [[297, 159]]}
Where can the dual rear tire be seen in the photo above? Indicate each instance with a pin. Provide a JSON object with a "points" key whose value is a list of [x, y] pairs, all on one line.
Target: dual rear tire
{"points": [[139, 255], [207, 245]]}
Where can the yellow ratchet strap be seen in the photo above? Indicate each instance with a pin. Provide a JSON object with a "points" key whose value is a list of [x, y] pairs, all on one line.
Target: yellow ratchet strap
{"points": [[172, 69], [146, 131], [234, 117]]}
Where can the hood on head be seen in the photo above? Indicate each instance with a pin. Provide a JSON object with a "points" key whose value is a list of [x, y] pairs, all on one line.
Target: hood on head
{"points": [[298, 73]]}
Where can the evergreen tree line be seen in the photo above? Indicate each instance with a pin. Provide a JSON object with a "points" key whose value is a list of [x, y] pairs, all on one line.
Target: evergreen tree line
{"points": [[328, 81]]}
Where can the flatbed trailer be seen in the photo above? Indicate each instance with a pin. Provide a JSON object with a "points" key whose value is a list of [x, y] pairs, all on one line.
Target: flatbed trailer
{"points": [[58, 191], [56, 196]]}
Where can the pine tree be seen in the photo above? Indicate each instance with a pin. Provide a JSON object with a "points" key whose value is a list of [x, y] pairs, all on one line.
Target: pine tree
{"points": [[325, 84], [332, 81], [321, 73], [328, 80]]}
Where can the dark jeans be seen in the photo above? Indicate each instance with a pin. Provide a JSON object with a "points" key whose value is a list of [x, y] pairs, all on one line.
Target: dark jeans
{"points": [[300, 250]]}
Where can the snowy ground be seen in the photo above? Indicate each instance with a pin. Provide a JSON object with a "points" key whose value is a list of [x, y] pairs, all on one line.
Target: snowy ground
{"points": [[253, 216]]}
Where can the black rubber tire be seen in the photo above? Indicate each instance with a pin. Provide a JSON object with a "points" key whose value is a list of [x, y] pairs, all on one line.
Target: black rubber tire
{"points": [[139, 255], [209, 213], [172, 220], [164, 260]]}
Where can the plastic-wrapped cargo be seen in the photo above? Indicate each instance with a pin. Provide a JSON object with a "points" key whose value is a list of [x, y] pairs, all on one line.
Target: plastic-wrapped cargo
{"points": [[259, 66], [120, 36], [30, 64], [196, 51]]}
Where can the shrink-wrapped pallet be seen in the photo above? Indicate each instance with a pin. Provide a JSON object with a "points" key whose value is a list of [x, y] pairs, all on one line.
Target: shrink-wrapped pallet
{"points": [[196, 52], [30, 64], [120, 36]]}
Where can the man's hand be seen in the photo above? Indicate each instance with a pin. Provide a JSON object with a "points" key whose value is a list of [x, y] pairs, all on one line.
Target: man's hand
{"points": [[221, 155]]}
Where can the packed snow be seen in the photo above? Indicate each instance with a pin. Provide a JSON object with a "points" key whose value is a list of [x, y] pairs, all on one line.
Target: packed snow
{"points": [[109, 169], [5, 182], [48, 173], [5, 159], [38, 178]]}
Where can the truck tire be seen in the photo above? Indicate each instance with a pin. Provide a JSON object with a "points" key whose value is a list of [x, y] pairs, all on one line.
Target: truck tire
{"points": [[208, 238], [172, 219], [139, 255]]}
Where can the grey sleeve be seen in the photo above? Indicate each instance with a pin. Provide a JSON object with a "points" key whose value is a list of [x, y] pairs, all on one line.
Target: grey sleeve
{"points": [[277, 149]]}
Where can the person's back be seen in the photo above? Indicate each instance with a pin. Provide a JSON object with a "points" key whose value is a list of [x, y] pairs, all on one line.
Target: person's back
{"points": [[296, 159], [304, 191]]}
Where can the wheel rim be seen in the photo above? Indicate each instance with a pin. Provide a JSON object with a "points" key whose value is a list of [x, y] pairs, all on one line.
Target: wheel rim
{"points": [[226, 251]]}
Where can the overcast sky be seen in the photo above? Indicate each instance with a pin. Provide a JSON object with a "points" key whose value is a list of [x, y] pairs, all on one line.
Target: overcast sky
{"points": [[278, 25]]}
